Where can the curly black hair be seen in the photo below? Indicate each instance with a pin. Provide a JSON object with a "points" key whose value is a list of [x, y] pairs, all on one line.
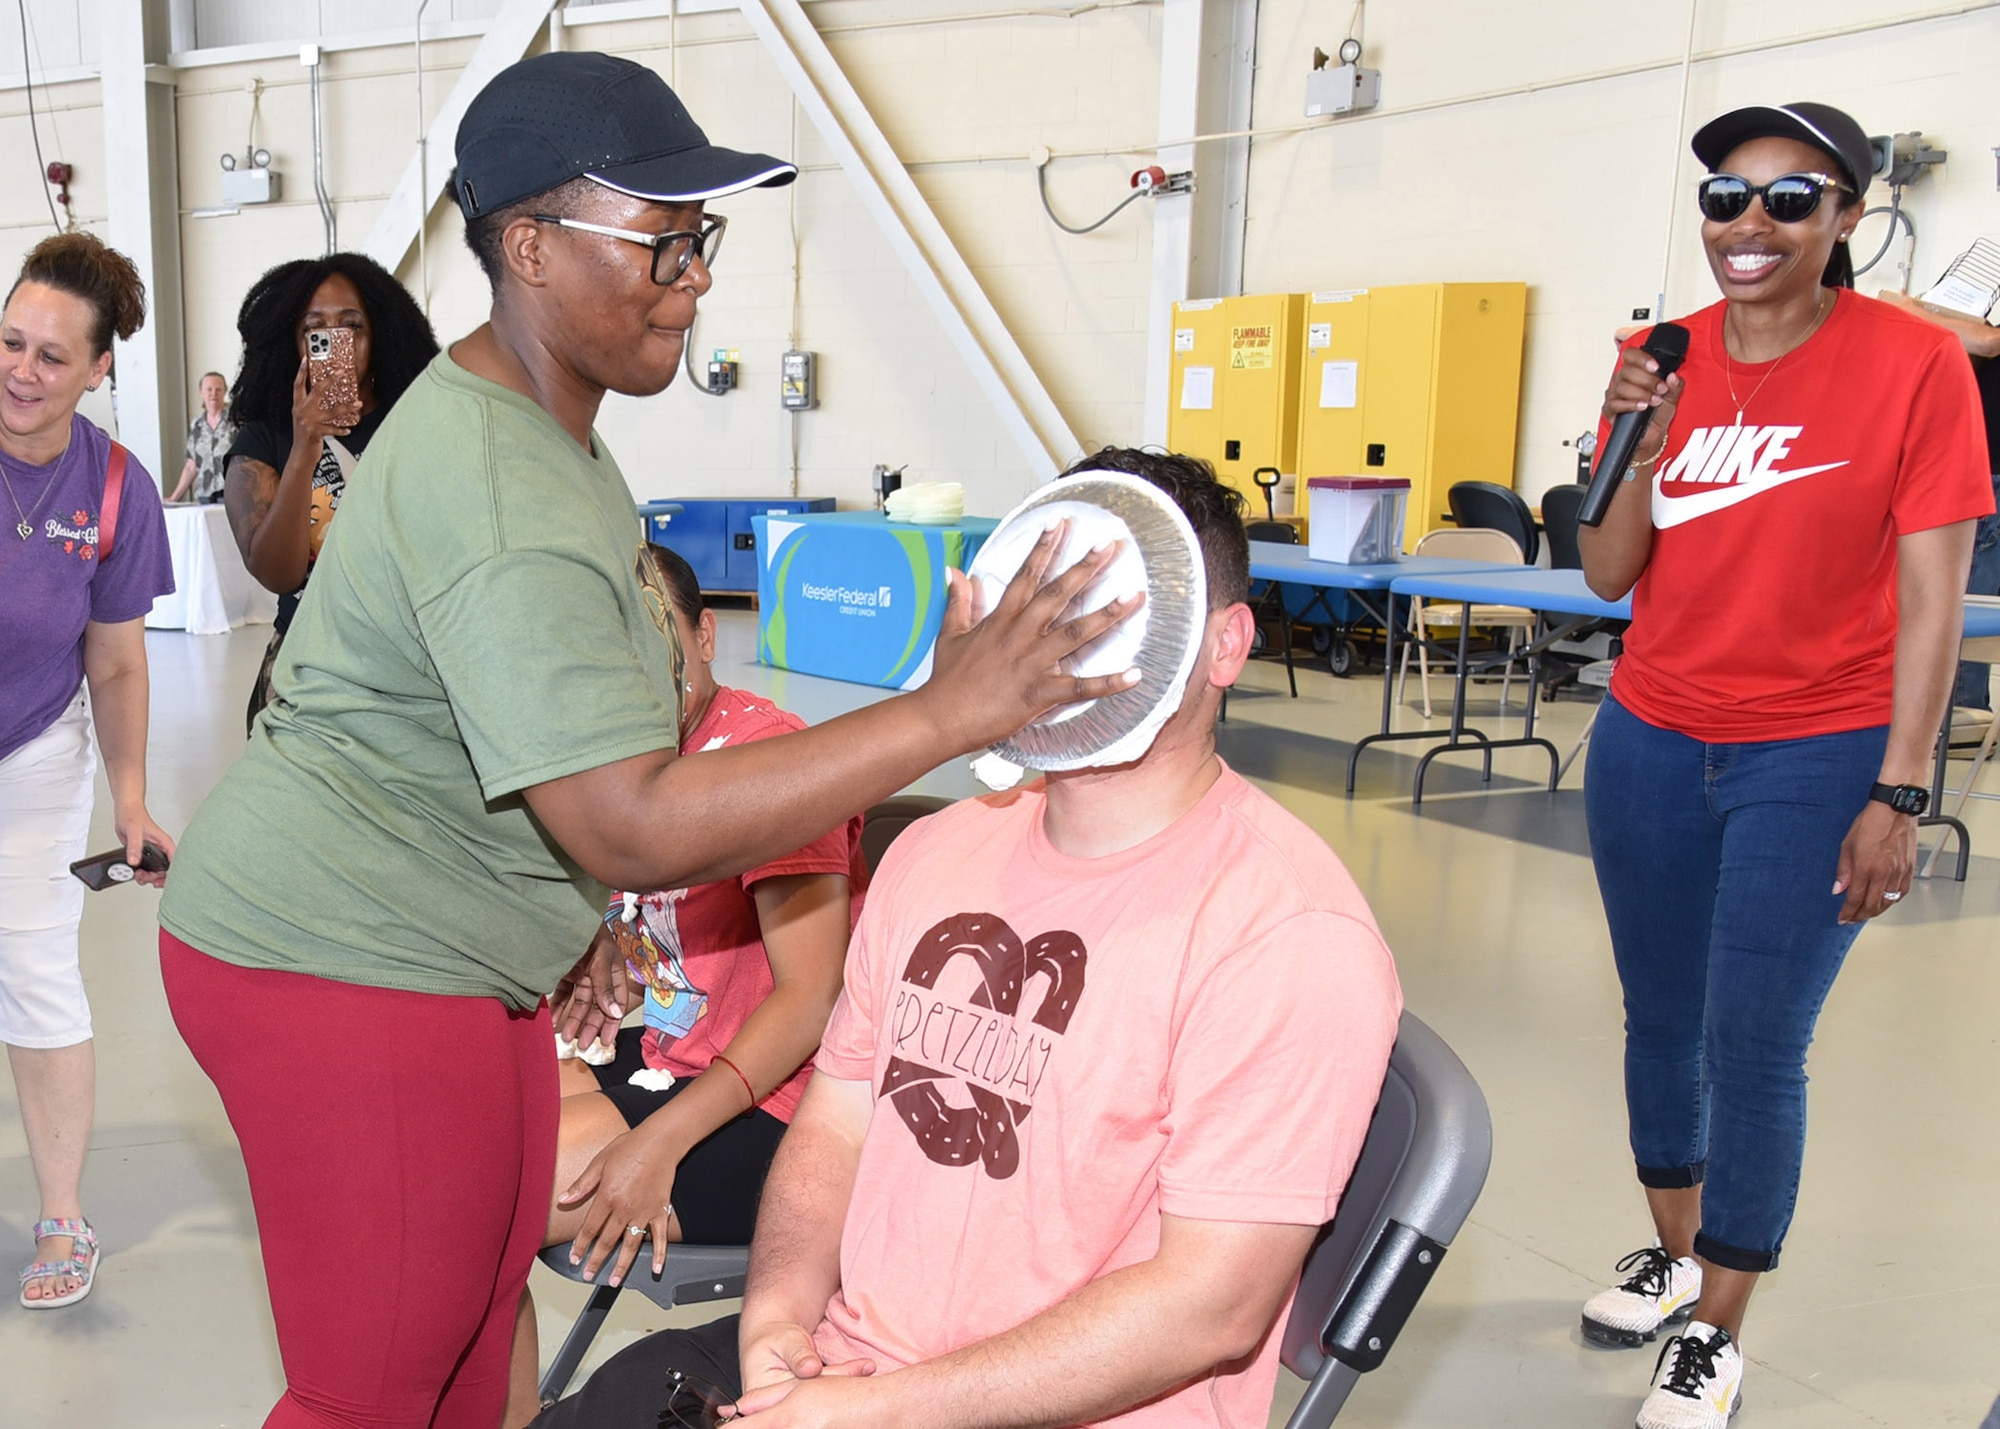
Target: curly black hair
{"points": [[401, 342], [1212, 508]]}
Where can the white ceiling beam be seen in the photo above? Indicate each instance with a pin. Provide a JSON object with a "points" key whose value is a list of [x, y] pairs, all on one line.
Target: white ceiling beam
{"points": [[914, 234], [507, 38]]}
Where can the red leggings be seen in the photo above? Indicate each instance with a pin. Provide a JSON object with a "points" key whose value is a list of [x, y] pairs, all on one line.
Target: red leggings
{"points": [[401, 1150]]}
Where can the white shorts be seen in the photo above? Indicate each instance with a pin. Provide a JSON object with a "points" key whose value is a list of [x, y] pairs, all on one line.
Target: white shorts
{"points": [[45, 795]]}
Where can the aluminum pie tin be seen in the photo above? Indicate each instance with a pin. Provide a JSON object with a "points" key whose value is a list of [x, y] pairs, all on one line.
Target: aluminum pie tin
{"points": [[1163, 638]]}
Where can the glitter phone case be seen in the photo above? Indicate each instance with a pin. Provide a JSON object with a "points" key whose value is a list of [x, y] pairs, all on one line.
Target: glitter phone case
{"points": [[330, 367]]}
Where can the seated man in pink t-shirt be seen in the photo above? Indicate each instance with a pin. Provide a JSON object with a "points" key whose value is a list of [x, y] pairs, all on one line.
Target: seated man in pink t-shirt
{"points": [[1107, 1051]]}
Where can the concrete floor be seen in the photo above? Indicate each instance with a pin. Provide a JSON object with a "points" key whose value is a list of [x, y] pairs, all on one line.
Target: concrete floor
{"points": [[1886, 1312]]}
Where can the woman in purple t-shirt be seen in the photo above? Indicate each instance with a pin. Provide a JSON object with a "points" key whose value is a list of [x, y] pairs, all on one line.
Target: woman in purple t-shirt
{"points": [[80, 564]]}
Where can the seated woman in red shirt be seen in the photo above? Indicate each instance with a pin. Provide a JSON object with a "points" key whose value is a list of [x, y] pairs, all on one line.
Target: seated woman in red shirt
{"points": [[671, 1140]]}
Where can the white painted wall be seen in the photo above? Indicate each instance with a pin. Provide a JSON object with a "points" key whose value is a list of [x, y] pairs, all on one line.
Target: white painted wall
{"points": [[963, 103], [1493, 156], [1568, 187]]}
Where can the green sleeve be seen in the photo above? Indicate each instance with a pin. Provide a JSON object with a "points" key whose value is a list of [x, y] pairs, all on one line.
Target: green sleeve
{"points": [[535, 658]]}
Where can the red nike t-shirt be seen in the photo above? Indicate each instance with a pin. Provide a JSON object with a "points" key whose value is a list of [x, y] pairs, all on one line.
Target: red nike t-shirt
{"points": [[1768, 607]]}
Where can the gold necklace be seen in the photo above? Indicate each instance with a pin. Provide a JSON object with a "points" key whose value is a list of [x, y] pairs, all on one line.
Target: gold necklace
{"points": [[1820, 309]]}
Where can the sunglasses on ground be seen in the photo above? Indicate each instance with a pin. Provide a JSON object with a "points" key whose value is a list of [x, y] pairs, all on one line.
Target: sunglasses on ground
{"points": [[1789, 198]]}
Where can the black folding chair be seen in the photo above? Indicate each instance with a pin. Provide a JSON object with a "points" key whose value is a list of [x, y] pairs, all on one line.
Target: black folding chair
{"points": [[1497, 508]]}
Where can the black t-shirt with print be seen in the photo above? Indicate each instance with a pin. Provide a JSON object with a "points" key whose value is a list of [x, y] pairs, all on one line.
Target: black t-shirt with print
{"points": [[271, 444]]}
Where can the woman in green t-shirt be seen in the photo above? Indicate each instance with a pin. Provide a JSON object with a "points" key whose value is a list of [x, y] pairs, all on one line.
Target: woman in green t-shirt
{"points": [[473, 733]]}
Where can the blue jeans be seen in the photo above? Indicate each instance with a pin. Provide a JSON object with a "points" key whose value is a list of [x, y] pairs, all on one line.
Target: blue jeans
{"points": [[1973, 680], [1715, 862]]}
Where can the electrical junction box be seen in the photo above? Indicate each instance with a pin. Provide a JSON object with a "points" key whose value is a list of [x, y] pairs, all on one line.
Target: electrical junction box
{"points": [[248, 186], [798, 374], [723, 369], [1342, 89]]}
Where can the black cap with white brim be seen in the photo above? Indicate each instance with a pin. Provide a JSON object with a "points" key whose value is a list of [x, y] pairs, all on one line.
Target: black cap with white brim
{"points": [[576, 114]]}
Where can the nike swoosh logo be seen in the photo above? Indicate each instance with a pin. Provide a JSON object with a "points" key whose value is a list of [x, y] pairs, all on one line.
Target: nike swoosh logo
{"points": [[1670, 511]]}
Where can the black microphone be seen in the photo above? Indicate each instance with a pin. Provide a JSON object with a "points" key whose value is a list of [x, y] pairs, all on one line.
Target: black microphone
{"points": [[1667, 345]]}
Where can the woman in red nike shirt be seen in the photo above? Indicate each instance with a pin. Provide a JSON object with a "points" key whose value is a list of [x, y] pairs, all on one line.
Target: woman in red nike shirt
{"points": [[1814, 472]]}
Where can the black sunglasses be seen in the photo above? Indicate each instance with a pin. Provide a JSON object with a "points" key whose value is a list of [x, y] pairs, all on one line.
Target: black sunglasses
{"points": [[673, 251], [1789, 198], [693, 1403]]}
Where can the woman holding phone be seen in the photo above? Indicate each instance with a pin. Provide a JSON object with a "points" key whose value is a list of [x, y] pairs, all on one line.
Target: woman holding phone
{"points": [[329, 344], [83, 552], [1794, 531]]}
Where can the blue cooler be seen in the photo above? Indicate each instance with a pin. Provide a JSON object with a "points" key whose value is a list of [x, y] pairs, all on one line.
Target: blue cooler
{"points": [[851, 595]]}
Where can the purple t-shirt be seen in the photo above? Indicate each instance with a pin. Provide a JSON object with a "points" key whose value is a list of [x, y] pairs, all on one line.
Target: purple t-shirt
{"points": [[52, 584]]}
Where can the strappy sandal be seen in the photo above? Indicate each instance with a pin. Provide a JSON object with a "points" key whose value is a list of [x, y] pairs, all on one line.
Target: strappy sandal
{"points": [[80, 1263]]}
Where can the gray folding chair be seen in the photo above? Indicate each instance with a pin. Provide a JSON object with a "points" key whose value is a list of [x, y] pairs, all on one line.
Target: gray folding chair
{"points": [[1421, 1168], [697, 1273]]}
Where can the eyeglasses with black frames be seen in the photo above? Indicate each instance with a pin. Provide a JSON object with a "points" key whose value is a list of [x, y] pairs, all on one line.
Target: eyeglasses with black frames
{"points": [[673, 251]]}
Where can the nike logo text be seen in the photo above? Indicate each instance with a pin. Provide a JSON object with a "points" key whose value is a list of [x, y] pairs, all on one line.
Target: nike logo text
{"points": [[1733, 463]]}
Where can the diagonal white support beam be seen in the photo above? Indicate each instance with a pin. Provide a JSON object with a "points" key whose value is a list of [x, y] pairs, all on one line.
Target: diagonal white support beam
{"points": [[507, 38], [915, 235]]}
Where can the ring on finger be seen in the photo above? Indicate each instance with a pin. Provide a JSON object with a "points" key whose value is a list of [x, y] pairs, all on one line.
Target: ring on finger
{"points": [[635, 1230], [1891, 897]]}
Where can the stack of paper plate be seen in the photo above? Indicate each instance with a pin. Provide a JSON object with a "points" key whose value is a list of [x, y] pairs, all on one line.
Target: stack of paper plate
{"points": [[927, 503], [1160, 557]]}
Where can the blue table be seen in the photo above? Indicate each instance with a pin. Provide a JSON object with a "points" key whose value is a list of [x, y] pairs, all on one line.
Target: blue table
{"points": [[1529, 587], [1369, 585]]}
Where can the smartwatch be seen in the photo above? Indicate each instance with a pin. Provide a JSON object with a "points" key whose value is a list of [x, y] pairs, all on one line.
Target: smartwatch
{"points": [[1903, 798]]}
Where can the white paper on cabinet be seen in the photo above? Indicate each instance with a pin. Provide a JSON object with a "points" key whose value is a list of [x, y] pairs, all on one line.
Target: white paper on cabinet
{"points": [[1339, 383], [1197, 389]]}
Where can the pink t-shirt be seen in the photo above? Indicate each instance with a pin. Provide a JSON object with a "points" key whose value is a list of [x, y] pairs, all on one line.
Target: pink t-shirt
{"points": [[707, 969], [1063, 1050]]}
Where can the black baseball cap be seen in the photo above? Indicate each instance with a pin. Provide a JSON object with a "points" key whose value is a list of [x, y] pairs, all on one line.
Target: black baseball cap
{"points": [[571, 114], [1822, 126]]}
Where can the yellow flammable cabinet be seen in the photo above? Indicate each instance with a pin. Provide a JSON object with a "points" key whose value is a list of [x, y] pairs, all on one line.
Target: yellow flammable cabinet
{"points": [[1234, 398], [1419, 380]]}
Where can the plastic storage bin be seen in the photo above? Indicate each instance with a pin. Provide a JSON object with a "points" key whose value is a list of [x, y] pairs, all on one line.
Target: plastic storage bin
{"points": [[715, 535], [1356, 520]]}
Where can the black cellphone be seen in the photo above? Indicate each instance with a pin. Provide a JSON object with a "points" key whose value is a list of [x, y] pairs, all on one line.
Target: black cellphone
{"points": [[108, 870]]}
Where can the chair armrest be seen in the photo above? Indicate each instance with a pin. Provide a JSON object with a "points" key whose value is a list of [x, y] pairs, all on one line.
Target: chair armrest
{"points": [[1375, 1308]]}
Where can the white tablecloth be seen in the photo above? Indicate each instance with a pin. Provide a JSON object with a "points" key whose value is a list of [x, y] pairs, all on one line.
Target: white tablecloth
{"points": [[213, 591]]}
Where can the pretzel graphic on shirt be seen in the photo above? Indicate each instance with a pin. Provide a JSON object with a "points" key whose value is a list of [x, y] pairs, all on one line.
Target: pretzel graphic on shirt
{"points": [[987, 1130]]}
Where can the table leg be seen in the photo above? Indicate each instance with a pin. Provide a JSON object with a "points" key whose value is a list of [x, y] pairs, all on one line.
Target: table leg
{"points": [[1937, 818], [1484, 745], [1383, 736]]}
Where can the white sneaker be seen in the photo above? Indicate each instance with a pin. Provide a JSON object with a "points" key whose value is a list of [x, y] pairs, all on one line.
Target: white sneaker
{"points": [[1659, 1291], [1698, 1382]]}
